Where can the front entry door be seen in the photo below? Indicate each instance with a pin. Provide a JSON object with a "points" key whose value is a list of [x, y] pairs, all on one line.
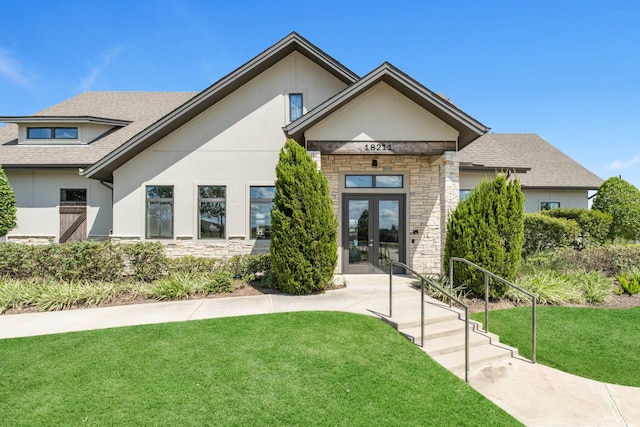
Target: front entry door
{"points": [[373, 232]]}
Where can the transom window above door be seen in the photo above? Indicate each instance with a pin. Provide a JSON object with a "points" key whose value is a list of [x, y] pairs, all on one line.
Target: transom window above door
{"points": [[373, 181]]}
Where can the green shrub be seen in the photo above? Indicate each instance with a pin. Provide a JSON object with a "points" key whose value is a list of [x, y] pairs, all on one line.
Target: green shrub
{"points": [[246, 267], [218, 283], [147, 260], [629, 282], [548, 287], [174, 286], [594, 286], [487, 229], [621, 200], [7, 205], [192, 264], [304, 229], [543, 233], [609, 260], [594, 225]]}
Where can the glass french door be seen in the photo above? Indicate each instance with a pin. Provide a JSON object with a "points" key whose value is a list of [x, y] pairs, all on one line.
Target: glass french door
{"points": [[373, 232]]}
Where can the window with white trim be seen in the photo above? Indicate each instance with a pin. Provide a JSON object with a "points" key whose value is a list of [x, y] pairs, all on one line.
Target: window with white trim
{"points": [[295, 106], [547, 206], [52, 133]]}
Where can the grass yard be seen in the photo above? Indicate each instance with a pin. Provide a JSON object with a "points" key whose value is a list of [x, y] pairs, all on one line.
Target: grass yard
{"points": [[309, 368], [602, 344]]}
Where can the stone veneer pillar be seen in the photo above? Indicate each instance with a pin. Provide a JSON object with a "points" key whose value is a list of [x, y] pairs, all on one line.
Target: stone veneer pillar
{"points": [[449, 194]]}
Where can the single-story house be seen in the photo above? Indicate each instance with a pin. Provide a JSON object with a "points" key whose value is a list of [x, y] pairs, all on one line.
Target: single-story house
{"points": [[196, 170]]}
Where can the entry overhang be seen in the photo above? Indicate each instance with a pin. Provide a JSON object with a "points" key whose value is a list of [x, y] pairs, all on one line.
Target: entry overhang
{"points": [[381, 147]]}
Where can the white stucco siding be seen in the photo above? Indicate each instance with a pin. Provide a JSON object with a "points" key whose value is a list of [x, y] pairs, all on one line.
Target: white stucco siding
{"points": [[38, 200], [566, 198], [235, 143], [382, 114]]}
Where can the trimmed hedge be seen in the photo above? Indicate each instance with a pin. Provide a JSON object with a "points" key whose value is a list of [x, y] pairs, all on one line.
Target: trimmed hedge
{"points": [[594, 225], [542, 232], [83, 261]]}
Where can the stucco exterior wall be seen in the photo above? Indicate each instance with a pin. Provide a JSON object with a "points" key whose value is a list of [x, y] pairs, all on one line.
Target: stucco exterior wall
{"points": [[234, 143], [367, 118], [566, 198], [38, 200], [423, 199]]}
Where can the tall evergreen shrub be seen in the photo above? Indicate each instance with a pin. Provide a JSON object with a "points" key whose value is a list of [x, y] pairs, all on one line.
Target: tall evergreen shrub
{"points": [[487, 229], [304, 229], [7, 205]]}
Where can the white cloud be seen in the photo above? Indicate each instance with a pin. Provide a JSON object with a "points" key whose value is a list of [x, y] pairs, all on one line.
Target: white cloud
{"points": [[11, 70], [623, 164], [89, 81]]}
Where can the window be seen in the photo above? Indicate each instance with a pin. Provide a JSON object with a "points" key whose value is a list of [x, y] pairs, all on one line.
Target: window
{"points": [[73, 197], [212, 212], [261, 203], [159, 212], [373, 181], [547, 206], [52, 133], [464, 194], [295, 106]]}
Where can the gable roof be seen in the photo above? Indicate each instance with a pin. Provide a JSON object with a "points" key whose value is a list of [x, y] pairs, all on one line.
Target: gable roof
{"points": [[214, 93], [131, 112], [468, 127], [538, 163]]}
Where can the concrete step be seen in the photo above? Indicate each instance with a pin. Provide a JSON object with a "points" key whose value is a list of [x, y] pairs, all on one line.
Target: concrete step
{"points": [[433, 313], [446, 343], [478, 356]]}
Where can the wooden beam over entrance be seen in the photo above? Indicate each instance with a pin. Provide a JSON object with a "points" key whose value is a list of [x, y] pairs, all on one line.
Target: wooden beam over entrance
{"points": [[381, 147]]}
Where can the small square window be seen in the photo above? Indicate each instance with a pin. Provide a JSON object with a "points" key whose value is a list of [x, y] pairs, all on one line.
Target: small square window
{"points": [[295, 106]]}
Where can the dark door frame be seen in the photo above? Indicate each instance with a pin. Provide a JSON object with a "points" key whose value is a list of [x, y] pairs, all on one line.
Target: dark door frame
{"points": [[374, 265]]}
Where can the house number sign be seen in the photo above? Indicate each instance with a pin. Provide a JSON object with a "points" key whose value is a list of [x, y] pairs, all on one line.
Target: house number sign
{"points": [[394, 147]]}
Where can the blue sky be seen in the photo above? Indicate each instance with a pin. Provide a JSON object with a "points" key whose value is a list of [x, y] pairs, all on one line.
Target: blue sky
{"points": [[566, 70]]}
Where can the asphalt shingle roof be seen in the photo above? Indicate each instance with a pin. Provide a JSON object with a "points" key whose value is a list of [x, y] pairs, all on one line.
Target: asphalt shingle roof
{"points": [[548, 166], [140, 108]]}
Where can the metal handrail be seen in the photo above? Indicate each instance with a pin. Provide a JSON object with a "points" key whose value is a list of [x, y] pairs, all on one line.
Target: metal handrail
{"points": [[487, 273], [433, 284]]}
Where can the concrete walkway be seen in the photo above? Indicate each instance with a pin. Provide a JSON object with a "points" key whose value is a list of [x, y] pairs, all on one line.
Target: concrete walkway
{"points": [[534, 394]]}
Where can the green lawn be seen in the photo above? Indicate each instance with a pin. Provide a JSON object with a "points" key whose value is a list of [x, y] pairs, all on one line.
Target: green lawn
{"points": [[310, 368], [597, 343]]}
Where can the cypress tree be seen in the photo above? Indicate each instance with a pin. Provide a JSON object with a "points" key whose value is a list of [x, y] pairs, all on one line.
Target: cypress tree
{"points": [[304, 229], [487, 229], [7, 205]]}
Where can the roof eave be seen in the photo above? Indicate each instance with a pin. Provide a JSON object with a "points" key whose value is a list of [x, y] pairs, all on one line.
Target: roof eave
{"points": [[469, 129], [216, 92], [63, 119]]}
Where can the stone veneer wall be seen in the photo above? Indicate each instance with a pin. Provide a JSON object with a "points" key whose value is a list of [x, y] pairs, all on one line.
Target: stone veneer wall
{"points": [[431, 179], [220, 249], [449, 194]]}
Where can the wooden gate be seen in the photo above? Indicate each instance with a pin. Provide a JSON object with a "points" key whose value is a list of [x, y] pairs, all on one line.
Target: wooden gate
{"points": [[73, 221]]}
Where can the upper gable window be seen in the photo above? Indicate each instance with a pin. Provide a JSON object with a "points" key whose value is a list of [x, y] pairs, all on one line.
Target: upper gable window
{"points": [[295, 106], [52, 133]]}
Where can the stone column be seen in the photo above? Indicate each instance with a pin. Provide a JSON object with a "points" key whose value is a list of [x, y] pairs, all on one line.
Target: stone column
{"points": [[449, 194], [316, 156]]}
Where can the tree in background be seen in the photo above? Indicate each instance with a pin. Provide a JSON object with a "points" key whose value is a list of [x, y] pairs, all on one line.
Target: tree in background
{"points": [[7, 205], [487, 229], [622, 201], [304, 229]]}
